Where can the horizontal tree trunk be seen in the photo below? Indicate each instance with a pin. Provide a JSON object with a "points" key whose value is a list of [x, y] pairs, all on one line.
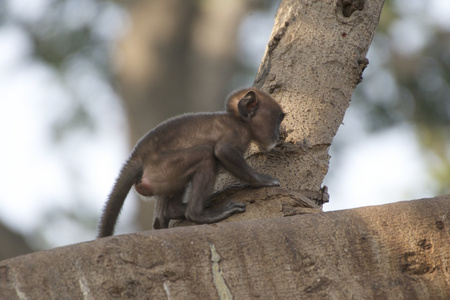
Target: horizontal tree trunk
{"points": [[394, 251]]}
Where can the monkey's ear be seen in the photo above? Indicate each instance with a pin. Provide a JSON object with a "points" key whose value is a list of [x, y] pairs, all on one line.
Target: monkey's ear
{"points": [[248, 105]]}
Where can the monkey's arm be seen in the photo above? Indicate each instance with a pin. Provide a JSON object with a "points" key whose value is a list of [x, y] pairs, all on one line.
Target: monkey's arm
{"points": [[233, 161]]}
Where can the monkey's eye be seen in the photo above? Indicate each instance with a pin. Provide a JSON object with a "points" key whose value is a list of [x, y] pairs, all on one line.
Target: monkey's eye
{"points": [[281, 117]]}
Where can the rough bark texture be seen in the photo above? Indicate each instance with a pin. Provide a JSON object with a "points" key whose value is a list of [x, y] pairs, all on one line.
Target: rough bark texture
{"points": [[395, 251], [313, 62]]}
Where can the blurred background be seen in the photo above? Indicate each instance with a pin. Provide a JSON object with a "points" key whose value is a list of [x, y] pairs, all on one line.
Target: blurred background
{"points": [[82, 80]]}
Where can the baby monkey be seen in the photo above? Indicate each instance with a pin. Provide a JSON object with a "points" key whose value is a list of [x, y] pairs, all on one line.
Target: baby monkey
{"points": [[188, 150]]}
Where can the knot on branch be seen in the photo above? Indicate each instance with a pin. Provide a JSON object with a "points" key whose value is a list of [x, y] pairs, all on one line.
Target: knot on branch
{"points": [[350, 6]]}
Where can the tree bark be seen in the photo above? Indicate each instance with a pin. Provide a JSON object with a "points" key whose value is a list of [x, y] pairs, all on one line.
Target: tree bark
{"points": [[314, 60], [394, 251]]}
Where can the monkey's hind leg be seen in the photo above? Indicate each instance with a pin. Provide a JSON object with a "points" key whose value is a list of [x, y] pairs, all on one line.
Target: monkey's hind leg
{"points": [[167, 208], [175, 208], [202, 186], [159, 219]]}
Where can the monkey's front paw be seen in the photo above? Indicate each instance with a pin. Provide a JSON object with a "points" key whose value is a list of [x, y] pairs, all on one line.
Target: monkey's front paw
{"points": [[266, 180], [275, 182], [271, 181], [233, 207]]}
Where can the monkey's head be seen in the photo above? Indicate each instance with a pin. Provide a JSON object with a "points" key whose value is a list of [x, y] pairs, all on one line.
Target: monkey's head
{"points": [[261, 114]]}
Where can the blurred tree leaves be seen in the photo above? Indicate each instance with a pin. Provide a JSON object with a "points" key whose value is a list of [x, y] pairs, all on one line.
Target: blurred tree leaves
{"points": [[69, 43], [72, 38], [409, 82]]}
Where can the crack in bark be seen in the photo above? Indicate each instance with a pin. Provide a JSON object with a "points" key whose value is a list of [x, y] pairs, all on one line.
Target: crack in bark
{"points": [[219, 282]]}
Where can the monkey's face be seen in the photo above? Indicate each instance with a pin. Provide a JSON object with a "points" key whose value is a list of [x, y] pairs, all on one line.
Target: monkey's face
{"points": [[261, 114], [265, 125]]}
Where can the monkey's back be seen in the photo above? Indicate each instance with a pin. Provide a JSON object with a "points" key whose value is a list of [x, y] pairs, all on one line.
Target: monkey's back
{"points": [[189, 131]]}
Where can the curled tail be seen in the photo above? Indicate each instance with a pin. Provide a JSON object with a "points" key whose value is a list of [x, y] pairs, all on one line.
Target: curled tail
{"points": [[131, 173]]}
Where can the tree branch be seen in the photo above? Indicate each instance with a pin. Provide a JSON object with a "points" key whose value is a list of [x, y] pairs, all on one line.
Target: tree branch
{"points": [[313, 61], [398, 250]]}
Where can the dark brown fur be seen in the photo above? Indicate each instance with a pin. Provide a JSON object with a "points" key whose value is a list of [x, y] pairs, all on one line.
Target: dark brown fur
{"points": [[187, 150]]}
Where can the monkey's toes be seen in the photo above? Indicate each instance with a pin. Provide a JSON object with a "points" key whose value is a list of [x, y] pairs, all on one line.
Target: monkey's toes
{"points": [[237, 204], [234, 207]]}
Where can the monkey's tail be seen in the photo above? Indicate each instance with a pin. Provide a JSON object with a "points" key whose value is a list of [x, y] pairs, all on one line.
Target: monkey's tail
{"points": [[131, 172]]}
